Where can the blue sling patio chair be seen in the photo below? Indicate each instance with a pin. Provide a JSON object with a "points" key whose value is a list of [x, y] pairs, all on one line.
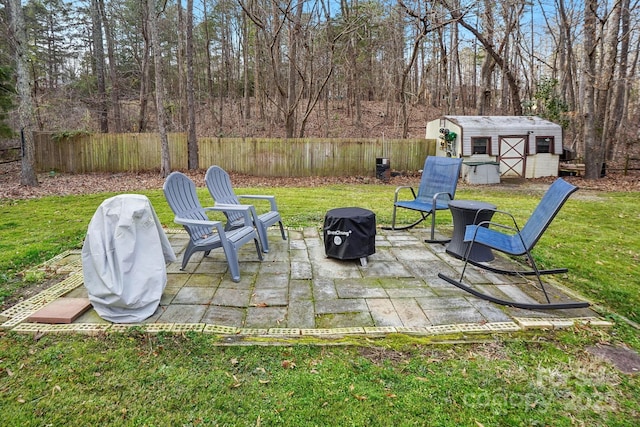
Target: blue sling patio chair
{"points": [[205, 234], [515, 241], [221, 189], [437, 187]]}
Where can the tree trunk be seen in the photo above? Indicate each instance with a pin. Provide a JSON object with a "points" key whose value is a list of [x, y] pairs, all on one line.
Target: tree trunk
{"points": [[567, 66], [246, 111], [292, 88], [18, 41], [605, 84], [192, 141], [98, 58], [350, 13], [423, 29], [113, 73], [485, 99], [210, 90], [165, 162], [617, 123], [454, 64], [145, 78], [593, 156], [180, 61]]}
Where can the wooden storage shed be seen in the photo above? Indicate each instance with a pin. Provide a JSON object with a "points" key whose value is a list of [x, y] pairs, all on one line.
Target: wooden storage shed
{"points": [[499, 146]]}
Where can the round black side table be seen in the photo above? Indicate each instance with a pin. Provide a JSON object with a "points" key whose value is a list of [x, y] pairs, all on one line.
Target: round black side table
{"points": [[464, 212]]}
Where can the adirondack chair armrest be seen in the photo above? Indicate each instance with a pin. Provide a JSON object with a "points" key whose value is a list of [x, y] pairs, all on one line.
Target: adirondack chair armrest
{"points": [[400, 188], [228, 207], [248, 211], [199, 222], [270, 199]]}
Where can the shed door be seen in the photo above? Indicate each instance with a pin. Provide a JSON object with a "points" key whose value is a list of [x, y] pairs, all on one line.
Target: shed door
{"points": [[512, 156]]}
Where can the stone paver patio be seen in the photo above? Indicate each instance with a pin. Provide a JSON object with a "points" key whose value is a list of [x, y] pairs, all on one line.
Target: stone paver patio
{"points": [[296, 290]]}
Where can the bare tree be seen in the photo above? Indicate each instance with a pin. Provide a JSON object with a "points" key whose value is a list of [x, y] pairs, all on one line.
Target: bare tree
{"points": [[246, 82], [145, 64], [18, 41], [499, 54], [425, 23], [208, 60], [485, 101], [99, 64], [607, 70], [165, 161], [113, 71], [288, 88], [614, 131], [593, 152], [181, 67], [192, 142], [567, 61]]}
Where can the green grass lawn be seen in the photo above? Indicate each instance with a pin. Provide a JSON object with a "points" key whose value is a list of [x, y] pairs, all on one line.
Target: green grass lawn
{"points": [[527, 379], [134, 379]]}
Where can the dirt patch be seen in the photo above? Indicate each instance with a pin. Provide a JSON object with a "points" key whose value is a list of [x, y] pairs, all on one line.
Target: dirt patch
{"points": [[378, 355], [624, 359], [27, 291]]}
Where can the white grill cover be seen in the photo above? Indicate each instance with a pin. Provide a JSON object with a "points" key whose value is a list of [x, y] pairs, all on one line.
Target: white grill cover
{"points": [[124, 258]]}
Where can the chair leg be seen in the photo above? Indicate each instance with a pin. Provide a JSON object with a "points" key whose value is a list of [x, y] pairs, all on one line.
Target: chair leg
{"points": [[284, 236], [258, 249], [433, 225], [467, 253], [262, 235], [535, 268], [393, 218], [232, 261], [433, 230], [190, 250]]}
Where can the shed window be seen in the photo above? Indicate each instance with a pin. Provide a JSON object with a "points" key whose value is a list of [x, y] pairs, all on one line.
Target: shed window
{"points": [[481, 145], [544, 144]]}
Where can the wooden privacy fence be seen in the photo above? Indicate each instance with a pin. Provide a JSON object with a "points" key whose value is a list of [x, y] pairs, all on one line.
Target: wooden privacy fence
{"points": [[252, 156]]}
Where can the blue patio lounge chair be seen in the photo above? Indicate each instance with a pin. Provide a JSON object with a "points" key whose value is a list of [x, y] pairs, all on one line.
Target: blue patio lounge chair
{"points": [[205, 234], [437, 187], [221, 189], [515, 241]]}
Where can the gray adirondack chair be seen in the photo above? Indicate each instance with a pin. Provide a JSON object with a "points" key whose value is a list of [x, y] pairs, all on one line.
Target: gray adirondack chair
{"points": [[437, 187], [515, 241], [205, 234], [221, 189]]}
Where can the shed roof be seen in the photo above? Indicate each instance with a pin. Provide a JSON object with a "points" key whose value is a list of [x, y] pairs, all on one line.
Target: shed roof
{"points": [[502, 122]]}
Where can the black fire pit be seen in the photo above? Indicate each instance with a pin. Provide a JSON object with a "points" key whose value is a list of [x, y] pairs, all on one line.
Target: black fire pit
{"points": [[350, 233]]}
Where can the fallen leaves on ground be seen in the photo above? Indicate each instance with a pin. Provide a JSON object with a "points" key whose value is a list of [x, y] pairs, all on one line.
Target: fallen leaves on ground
{"points": [[65, 184]]}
